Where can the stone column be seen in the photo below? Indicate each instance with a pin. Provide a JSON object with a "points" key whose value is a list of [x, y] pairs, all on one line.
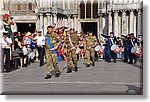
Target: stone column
{"points": [[140, 23], [124, 30], [91, 9], [63, 4], [42, 23], [101, 25], [51, 3], [55, 20], [135, 26], [131, 30], [48, 19], [78, 9], [41, 4], [68, 4], [116, 23], [110, 22], [85, 9]]}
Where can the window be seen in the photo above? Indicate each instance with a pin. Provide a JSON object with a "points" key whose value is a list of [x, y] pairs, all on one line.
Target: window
{"points": [[82, 10], [18, 7], [30, 6], [88, 9], [95, 9]]}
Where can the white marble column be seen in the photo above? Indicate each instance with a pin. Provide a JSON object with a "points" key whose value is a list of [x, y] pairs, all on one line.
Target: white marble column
{"points": [[42, 23], [110, 22], [101, 26], [135, 26], [64, 4], [139, 23], [51, 3], [131, 30], [68, 4], [91, 9], [116, 23], [41, 3], [55, 20], [85, 9], [124, 30], [48, 19]]}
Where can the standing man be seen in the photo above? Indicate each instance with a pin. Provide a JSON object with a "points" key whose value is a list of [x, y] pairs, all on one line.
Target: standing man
{"points": [[91, 42], [40, 39], [111, 41], [72, 42], [6, 45], [126, 42], [132, 42], [52, 56]]}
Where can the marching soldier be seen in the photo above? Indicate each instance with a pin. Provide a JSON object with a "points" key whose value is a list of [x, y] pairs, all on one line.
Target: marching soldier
{"points": [[90, 44], [52, 55], [111, 41], [71, 41]]}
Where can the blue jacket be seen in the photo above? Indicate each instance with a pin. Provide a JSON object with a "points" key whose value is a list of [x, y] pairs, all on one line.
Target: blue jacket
{"points": [[133, 42], [111, 40]]}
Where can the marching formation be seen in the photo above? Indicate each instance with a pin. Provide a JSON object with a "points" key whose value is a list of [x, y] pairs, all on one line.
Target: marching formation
{"points": [[63, 44]]}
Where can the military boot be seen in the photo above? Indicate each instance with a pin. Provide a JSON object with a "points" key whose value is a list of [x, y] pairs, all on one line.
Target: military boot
{"points": [[69, 70], [57, 74], [76, 69], [88, 65], [93, 64], [48, 77]]}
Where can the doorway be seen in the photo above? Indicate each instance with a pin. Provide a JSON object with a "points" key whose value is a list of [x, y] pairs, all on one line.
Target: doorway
{"points": [[25, 27], [89, 27]]}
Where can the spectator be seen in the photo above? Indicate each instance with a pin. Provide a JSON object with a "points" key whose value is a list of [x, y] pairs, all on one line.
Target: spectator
{"points": [[6, 45], [41, 47]]}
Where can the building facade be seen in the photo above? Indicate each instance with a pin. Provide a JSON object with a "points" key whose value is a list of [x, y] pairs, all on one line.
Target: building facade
{"points": [[97, 16]]}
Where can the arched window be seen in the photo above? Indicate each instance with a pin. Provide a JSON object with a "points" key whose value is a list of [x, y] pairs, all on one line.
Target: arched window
{"points": [[18, 7], [82, 10], [88, 9], [95, 9], [30, 6]]}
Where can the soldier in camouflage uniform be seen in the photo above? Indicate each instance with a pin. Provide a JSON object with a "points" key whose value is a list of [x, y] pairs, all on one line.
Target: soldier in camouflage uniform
{"points": [[90, 44], [51, 57], [71, 41]]}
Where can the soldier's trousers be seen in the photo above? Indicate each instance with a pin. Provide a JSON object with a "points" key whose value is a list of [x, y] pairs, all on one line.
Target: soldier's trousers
{"points": [[52, 61], [71, 58], [90, 53]]}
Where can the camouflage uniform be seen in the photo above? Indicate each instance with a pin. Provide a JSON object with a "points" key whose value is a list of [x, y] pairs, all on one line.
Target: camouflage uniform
{"points": [[51, 57], [71, 53], [90, 44]]}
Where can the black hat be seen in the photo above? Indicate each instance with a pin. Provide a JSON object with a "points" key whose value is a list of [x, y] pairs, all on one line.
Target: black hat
{"points": [[50, 26], [131, 34], [39, 31]]}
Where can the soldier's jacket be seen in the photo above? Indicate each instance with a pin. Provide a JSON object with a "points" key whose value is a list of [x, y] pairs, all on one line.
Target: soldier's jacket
{"points": [[74, 39], [90, 41], [54, 38]]}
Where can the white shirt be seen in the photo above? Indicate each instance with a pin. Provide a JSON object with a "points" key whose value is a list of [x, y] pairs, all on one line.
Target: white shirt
{"points": [[40, 40], [4, 43]]}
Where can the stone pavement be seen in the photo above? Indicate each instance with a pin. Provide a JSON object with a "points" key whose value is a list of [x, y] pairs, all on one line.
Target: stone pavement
{"points": [[104, 78]]}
